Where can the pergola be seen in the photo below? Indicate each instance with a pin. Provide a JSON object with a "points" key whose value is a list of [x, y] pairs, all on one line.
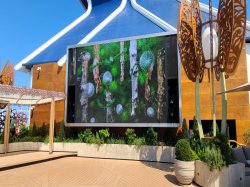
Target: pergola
{"points": [[24, 96]]}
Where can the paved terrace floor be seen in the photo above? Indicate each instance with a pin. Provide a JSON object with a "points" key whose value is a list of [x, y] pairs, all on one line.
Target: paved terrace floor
{"points": [[79, 171]]}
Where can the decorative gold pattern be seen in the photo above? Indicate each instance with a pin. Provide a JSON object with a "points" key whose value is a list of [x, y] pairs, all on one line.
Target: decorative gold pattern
{"points": [[238, 35], [7, 77], [197, 32], [186, 41], [225, 20], [231, 22]]}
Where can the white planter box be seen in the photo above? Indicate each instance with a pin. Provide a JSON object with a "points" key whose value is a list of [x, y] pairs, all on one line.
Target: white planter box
{"points": [[231, 176], [115, 151], [129, 152]]}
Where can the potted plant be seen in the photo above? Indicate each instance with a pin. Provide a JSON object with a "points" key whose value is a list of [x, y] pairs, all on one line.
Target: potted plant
{"points": [[184, 163]]}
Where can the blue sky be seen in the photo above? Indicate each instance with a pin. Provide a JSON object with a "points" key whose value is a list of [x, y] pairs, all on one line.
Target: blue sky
{"points": [[27, 24]]}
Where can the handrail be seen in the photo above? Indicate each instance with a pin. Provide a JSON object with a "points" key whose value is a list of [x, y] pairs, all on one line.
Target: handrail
{"points": [[56, 37], [238, 144], [158, 21], [98, 28]]}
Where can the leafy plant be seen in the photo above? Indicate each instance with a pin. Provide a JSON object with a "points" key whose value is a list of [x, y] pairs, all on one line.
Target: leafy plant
{"points": [[151, 136], [196, 144], [213, 158], [246, 136], [130, 136], [183, 150], [24, 131], [115, 141], [139, 141], [104, 135], [86, 136], [221, 142], [44, 130], [34, 130]]}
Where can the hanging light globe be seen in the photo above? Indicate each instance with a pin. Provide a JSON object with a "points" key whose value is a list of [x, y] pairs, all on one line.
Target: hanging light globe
{"points": [[147, 59], [207, 48], [107, 77]]}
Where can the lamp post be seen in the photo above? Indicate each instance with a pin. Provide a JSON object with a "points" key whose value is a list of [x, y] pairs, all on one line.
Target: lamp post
{"points": [[218, 52]]}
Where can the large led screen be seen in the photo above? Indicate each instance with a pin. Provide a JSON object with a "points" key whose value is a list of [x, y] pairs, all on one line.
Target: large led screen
{"points": [[130, 82]]}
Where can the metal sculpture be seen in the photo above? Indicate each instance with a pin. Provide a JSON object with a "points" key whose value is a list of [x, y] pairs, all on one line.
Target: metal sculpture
{"points": [[7, 77], [231, 28]]}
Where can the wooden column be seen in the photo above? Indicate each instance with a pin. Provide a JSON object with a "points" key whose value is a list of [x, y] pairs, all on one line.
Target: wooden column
{"points": [[7, 129], [51, 128]]}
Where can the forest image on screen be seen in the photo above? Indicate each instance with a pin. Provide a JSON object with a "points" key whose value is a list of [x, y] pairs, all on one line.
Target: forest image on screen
{"points": [[133, 81]]}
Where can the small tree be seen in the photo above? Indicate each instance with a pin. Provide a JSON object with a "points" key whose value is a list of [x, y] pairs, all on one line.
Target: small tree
{"points": [[34, 130], [61, 132], [185, 129], [151, 136]]}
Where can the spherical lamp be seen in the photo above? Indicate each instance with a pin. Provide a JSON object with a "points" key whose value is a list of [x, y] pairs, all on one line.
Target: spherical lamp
{"points": [[207, 48]]}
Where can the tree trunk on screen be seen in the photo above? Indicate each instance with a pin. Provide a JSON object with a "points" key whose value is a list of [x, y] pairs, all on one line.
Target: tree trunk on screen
{"points": [[109, 115], [134, 72], [96, 68], [122, 60], [84, 98], [160, 78]]}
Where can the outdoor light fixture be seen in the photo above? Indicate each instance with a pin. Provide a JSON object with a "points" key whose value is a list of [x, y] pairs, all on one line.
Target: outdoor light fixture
{"points": [[39, 68], [206, 47], [214, 45]]}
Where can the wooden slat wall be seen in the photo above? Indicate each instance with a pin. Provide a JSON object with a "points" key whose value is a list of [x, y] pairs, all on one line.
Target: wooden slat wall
{"points": [[50, 78], [238, 103]]}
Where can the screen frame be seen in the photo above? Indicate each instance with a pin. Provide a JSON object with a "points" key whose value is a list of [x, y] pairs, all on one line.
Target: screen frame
{"points": [[169, 125]]}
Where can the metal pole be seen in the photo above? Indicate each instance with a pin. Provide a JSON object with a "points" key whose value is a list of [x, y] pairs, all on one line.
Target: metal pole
{"points": [[212, 68]]}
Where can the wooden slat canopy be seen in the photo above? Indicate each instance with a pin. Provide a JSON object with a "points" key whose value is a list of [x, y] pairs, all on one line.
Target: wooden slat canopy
{"points": [[24, 96]]}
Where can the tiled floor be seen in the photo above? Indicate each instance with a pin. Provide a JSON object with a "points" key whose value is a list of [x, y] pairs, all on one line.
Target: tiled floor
{"points": [[79, 171], [17, 158]]}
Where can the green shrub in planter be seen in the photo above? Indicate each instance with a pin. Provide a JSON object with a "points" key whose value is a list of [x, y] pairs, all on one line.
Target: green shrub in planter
{"points": [[130, 136], [183, 150], [24, 131], [213, 158], [151, 136], [104, 135], [139, 141], [86, 136]]}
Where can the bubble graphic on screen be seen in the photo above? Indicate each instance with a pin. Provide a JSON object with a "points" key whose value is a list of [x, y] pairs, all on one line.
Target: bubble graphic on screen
{"points": [[147, 59], [89, 89], [107, 77], [92, 120], [119, 109], [150, 112]]}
